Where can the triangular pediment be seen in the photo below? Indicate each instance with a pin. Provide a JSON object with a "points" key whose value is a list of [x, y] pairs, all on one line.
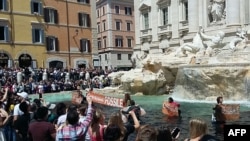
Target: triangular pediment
{"points": [[144, 6]]}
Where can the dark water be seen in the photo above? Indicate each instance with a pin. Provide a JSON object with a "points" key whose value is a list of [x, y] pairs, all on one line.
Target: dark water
{"points": [[154, 116]]}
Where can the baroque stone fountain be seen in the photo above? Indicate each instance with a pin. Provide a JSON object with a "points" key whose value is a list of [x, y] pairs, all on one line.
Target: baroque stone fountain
{"points": [[201, 70]]}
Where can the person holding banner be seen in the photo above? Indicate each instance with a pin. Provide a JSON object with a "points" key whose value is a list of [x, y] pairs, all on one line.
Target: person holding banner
{"points": [[73, 130]]}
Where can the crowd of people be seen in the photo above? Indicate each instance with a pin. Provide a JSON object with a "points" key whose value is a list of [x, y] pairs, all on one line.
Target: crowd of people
{"points": [[22, 119]]}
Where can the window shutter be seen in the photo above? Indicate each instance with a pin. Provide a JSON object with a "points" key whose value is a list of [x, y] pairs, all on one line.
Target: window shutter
{"points": [[46, 15], [56, 16], [47, 43], [33, 35], [40, 8], [42, 35], [126, 10], [87, 1], [32, 7], [56, 44], [5, 3], [116, 42], [78, 0], [6, 28], [84, 47], [81, 45], [130, 11], [121, 42], [80, 19], [89, 46], [88, 20]]}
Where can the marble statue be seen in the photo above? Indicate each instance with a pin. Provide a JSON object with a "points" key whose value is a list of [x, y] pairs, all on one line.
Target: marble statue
{"points": [[136, 59], [215, 41], [216, 10], [193, 47], [240, 39]]}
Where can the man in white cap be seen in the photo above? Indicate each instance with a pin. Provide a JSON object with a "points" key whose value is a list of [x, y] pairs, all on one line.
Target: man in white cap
{"points": [[23, 96]]}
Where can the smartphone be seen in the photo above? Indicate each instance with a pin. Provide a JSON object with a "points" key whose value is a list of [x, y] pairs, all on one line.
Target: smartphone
{"points": [[175, 132], [40, 95]]}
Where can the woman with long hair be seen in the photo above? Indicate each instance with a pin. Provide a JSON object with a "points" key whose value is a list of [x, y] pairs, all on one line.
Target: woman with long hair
{"points": [[116, 130]]}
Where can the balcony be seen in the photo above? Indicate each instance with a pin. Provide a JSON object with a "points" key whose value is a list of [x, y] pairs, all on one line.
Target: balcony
{"points": [[183, 28], [146, 35], [165, 31]]}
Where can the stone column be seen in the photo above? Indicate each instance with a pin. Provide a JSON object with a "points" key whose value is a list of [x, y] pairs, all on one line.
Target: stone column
{"points": [[233, 12], [193, 15]]}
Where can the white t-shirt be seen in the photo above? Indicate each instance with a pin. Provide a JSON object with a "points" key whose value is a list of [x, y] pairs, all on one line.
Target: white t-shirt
{"points": [[61, 120], [17, 111]]}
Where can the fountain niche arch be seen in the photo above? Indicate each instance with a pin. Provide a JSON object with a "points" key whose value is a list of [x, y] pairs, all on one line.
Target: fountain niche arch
{"points": [[25, 60]]}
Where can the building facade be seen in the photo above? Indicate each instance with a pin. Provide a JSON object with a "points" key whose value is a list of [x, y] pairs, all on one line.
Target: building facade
{"points": [[21, 31], [115, 28], [162, 24], [48, 33]]}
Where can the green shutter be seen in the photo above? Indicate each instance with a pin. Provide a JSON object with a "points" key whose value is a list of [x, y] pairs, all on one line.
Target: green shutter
{"points": [[33, 35], [42, 35], [6, 28], [46, 15], [56, 16], [80, 19]]}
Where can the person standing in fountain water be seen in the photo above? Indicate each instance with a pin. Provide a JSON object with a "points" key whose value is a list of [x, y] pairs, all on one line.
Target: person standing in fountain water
{"points": [[171, 104], [219, 116]]}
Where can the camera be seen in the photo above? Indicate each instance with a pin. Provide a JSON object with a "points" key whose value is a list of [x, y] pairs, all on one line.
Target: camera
{"points": [[175, 133]]}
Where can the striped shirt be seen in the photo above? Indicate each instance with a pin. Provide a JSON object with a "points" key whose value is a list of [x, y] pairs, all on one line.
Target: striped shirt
{"points": [[74, 132]]}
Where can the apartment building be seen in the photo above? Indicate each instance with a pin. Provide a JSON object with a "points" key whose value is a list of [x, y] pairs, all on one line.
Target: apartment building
{"points": [[115, 28], [21, 34], [48, 33]]}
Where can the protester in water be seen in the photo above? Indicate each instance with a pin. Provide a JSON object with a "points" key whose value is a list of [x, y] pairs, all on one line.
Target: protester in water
{"points": [[218, 114], [126, 100], [173, 104]]}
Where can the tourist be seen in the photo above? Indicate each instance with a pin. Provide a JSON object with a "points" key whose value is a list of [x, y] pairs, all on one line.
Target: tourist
{"points": [[164, 134], [41, 129], [198, 131], [117, 130], [73, 130], [62, 119], [23, 96], [147, 133], [97, 126], [22, 123], [219, 116], [4, 117]]}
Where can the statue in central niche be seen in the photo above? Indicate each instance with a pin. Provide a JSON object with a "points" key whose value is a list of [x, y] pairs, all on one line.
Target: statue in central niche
{"points": [[216, 11]]}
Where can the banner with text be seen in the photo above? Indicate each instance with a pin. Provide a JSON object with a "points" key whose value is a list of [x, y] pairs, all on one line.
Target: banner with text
{"points": [[106, 100]]}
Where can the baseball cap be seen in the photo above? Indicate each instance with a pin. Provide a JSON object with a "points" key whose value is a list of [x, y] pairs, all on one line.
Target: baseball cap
{"points": [[23, 95]]}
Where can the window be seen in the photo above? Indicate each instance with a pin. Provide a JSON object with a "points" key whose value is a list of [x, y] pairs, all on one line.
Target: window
{"points": [[50, 15], [118, 25], [99, 43], [146, 21], [106, 57], [118, 42], [52, 43], [129, 42], [4, 33], [117, 9], [105, 42], [98, 13], [3, 5], [186, 10], [38, 35], [119, 57], [98, 28], [128, 26], [104, 25], [36, 7], [129, 56], [103, 10], [128, 11], [85, 45], [84, 19], [83, 1], [164, 16]]}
